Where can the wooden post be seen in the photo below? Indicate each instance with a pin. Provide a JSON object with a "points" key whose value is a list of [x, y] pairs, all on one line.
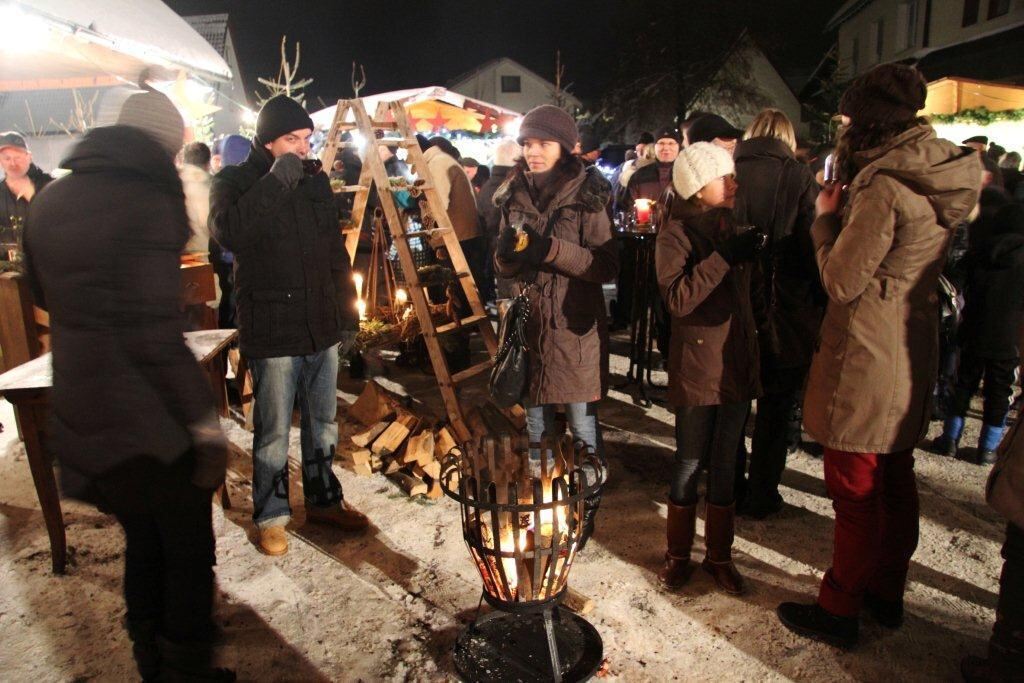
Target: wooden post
{"points": [[18, 340]]}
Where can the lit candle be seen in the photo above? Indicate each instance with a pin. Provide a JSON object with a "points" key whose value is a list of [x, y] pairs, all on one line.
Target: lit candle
{"points": [[643, 211], [361, 307], [401, 298], [357, 278]]}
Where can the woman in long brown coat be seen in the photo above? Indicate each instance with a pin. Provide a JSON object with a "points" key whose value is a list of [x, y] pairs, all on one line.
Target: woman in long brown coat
{"points": [[705, 275], [560, 206], [870, 381]]}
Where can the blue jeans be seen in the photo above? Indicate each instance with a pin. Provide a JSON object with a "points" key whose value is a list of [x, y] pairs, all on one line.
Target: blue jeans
{"points": [[276, 383], [581, 417]]}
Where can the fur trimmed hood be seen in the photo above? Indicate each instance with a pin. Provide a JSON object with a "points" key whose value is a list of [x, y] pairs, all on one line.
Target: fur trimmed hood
{"points": [[593, 191]]}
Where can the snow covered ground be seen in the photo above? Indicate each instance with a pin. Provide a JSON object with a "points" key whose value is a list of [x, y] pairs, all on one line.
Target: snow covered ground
{"points": [[389, 604]]}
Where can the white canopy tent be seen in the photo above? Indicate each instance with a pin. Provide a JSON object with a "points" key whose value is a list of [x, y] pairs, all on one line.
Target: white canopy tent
{"points": [[60, 44], [324, 117]]}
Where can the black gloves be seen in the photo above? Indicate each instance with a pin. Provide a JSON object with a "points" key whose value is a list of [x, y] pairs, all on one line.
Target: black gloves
{"points": [[288, 169], [506, 245], [536, 250], [742, 247]]}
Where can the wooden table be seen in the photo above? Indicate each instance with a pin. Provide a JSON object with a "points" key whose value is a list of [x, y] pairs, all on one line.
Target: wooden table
{"points": [[27, 387]]}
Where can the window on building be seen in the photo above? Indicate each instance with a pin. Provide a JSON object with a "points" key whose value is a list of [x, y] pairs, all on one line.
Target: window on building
{"points": [[878, 40], [906, 25], [511, 84], [997, 8], [971, 9]]}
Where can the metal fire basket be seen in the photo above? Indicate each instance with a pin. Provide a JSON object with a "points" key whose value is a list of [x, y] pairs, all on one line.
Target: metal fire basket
{"points": [[524, 521]]}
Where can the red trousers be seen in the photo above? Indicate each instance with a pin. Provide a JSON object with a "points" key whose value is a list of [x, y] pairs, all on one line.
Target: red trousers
{"points": [[875, 499]]}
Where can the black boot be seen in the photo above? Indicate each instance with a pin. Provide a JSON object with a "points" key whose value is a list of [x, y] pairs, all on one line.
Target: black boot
{"points": [[142, 633], [888, 613], [812, 621], [189, 663]]}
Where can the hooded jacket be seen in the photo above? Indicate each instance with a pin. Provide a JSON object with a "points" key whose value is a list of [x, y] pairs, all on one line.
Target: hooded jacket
{"points": [[994, 292], [456, 193], [103, 249], [872, 374], [567, 329], [293, 286], [716, 309]]}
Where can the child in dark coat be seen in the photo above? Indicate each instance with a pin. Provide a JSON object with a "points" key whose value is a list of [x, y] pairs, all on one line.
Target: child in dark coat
{"points": [[989, 333]]}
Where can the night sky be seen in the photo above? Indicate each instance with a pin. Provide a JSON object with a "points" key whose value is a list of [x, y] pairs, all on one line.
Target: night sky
{"points": [[409, 44]]}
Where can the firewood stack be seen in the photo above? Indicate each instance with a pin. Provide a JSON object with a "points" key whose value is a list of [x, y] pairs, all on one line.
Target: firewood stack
{"points": [[398, 443]]}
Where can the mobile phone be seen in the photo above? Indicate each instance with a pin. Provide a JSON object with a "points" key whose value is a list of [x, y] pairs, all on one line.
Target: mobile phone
{"points": [[830, 168]]}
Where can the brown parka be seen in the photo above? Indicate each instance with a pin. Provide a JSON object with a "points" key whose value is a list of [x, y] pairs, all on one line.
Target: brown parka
{"points": [[714, 357], [568, 326], [872, 375]]}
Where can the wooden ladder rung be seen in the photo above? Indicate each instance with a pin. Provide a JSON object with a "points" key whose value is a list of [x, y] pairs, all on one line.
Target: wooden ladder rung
{"points": [[396, 142], [384, 125], [472, 371], [425, 233], [350, 188], [465, 322]]}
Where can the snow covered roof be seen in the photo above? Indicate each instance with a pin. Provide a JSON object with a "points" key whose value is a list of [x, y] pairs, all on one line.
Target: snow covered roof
{"points": [[71, 43], [325, 117], [213, 28]]}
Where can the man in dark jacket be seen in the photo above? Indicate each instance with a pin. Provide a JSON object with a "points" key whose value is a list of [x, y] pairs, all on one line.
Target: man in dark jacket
{"points": [[989, 333], [648, 182], [133, 423], [295, 303], [22, 180], [776, 194]]}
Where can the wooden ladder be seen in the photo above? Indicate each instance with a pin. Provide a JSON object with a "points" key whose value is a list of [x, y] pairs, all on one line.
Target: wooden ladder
{"points": [[391, 117]]}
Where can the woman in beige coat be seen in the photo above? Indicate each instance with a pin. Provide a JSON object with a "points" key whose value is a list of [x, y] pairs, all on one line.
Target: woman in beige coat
{"points": [[880, 244]]}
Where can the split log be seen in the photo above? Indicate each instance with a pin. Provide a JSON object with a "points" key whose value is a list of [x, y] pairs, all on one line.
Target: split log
{"points": [[392, 466], [394, 436], [366, 437], [577, 602], [373, 405], [443, 443], [432, 469], [362, 456], [362, 469], [420, 449], [435, 491], [412, 485]]}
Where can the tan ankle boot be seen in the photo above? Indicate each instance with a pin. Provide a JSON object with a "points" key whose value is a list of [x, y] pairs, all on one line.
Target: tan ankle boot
{"points": [[273, 540], [719, 531], [682, 522]]}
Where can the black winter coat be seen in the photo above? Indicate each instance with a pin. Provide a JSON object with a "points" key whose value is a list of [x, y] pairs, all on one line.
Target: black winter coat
{"points": [[648, 182], [994, 291], [490, 215], [776, 193], [103, 252], [293, 284]]}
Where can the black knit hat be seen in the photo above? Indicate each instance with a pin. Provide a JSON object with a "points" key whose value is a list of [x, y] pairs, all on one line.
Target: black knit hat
{"points": [[670, 132], [709, 127], [645, 138], [889, 93], [589, 141], [280, 116], [548, 122]]}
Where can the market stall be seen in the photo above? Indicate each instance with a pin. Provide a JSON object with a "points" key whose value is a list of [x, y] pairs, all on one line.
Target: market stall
{"points": [[960, 108]]}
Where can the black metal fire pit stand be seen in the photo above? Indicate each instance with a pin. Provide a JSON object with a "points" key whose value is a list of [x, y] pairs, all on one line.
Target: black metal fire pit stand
{"points": [[547, 643]]}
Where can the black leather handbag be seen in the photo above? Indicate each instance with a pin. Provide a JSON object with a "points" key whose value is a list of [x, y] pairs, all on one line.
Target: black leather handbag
{"points": [[510, 375]]}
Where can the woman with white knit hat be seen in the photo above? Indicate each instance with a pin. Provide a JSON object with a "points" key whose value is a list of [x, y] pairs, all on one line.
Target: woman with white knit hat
{"points": [[705, 273]]}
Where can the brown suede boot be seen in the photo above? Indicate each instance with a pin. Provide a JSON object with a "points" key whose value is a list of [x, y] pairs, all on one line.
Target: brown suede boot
{"points": [[719, 527], [682, 522]]}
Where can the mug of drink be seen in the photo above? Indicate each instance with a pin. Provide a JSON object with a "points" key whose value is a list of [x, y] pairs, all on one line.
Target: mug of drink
{"points": [[312, 166]]}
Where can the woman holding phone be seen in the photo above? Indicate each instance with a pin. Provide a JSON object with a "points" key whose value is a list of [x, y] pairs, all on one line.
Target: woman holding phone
{"points": [[879, 237]]}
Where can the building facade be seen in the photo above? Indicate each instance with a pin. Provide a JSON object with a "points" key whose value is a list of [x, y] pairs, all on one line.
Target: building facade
{"points": [[509, 84]]}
